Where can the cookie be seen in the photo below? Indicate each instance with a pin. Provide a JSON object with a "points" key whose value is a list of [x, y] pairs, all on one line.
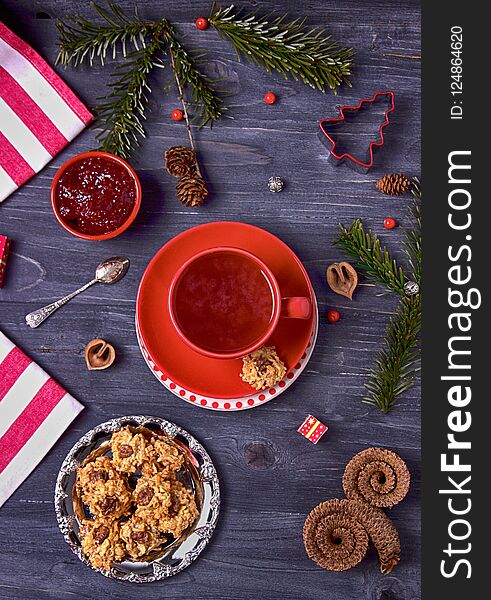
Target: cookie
{"points": [[101, 543], [140, 537], [129, 450], [262, 368], [109, 499], [99, 470], [163, 458], [152, 494], [172, 507], [182, 513]]}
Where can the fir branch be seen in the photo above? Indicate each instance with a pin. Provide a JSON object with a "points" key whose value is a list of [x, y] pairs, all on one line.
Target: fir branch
{"points": [[412, 237], [288, 47], [207, 104], [123, 109], [371, 256], [398, 361], [81, 40], [185, 111]]}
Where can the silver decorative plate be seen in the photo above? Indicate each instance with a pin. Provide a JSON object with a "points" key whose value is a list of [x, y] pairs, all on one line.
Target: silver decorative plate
{"points": [[203, 479]]}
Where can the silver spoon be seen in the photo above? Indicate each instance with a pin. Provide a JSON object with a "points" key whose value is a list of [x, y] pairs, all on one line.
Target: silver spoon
{"points": [[109, 271]]}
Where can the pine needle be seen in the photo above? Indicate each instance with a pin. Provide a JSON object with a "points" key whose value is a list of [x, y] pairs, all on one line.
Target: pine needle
{"points": [[371, 257], [81, 40], [144, 45], [412, 237], [398, 361], [288, 47], [122, 110], [207, 103]]}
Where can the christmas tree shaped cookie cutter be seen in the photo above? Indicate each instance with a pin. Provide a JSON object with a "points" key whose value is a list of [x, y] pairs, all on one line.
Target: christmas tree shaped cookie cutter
{"points": [[328, 129]]}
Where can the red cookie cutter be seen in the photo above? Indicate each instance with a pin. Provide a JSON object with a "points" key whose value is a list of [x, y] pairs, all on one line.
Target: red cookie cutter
{"points": [[328, 126]]}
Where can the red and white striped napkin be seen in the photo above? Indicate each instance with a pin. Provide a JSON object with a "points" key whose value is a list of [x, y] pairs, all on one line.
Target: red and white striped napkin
{"points": [[34, 411], [39, 114]]}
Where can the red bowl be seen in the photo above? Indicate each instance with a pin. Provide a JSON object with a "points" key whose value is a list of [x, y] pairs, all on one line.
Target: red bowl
{"points": [[131, 216]]}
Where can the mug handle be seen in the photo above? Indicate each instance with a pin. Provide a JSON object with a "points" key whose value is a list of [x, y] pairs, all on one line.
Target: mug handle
{"points": [[296, 307]]}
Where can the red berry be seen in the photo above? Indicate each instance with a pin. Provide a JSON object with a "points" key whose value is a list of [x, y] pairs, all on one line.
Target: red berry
{"points": [[177, 115], [202, 23], [333, 316], [390, 223], [270, 98]]}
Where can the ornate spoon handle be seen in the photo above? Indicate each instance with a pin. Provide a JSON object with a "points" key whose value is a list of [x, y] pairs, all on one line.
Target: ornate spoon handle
{"points": [[35, 318]]}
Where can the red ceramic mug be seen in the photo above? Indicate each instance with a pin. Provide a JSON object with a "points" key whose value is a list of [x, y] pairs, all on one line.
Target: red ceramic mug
{"points": [[225, 302]]}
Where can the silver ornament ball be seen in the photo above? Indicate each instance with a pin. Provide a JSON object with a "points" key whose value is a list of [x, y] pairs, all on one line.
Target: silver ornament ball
{"points": [[411, 288], [275, 184]]}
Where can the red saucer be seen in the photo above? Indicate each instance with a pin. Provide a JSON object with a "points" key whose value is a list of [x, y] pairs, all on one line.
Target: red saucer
{"points": [[208, 376]]}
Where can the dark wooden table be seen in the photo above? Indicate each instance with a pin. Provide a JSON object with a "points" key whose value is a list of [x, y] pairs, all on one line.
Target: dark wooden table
{"points": [[257, 549]]}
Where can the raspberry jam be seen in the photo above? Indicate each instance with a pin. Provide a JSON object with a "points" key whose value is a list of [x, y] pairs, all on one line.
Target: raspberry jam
{"points": [[95, 195]]}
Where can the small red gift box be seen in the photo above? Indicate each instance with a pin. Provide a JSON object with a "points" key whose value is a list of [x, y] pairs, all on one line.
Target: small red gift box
{"points": [[4, 250], [312, 429]]}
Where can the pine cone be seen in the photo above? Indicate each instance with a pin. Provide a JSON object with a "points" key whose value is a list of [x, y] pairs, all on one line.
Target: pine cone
{"points": [[191, 190], [394, 184], [180, 160]]}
